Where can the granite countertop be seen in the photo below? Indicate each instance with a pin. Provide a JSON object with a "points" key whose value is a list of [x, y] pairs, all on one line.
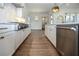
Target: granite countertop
{"points": [[63, 23], [4, 30]]}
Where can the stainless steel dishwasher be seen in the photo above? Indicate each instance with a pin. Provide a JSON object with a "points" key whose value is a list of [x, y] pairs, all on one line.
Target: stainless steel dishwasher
{"points": [[67, 39]]}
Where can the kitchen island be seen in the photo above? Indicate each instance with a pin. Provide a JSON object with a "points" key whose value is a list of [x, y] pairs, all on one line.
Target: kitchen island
{"points": [[64, 37]]}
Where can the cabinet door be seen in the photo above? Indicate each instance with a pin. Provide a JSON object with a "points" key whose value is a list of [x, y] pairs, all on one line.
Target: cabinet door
{"points": [[25, 33], [50, 32], [11, 43], [4, 47], [53, 35], [46, 31], [20, 36], [18, 39], [7, 44]]}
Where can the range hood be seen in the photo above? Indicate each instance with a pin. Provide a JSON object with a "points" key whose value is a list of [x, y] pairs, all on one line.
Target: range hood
{"points": [[1, 5], [19, 5]]}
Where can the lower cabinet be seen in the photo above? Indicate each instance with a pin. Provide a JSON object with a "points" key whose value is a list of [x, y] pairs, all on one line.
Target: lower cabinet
{"points": [[17, 39], [50, 32], [21, 35], [7, 44], [10, 41]]}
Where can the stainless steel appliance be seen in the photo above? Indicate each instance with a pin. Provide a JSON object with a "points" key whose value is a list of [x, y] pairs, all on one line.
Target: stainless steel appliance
{"points": [[19, 26], [67, 39], [13, 26]]}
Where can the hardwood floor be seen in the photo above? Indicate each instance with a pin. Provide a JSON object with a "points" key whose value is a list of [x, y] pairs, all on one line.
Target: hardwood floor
{"points": [[36, 45]]}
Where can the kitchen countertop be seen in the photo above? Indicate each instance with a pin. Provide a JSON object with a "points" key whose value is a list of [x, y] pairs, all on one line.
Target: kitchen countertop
{"points": [[2, 31], [5, 30], [74, 23]]}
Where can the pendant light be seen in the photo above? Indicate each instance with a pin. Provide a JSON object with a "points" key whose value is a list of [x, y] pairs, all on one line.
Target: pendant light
{"points": [[55, 9]]}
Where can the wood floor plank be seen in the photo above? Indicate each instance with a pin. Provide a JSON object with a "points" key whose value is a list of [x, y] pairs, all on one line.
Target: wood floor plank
{"points": [[36, 45]]}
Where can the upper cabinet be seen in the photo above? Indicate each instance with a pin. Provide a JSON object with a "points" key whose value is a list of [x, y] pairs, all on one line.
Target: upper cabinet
{"points": [[64, 13], [11, 13], [77, 17], [65, 18], [71, 17], [19, 9], [19, 12], [7, 13], [19, 17]]}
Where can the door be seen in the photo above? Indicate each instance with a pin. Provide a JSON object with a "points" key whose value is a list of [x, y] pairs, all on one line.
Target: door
{"points": [[36, 23]]}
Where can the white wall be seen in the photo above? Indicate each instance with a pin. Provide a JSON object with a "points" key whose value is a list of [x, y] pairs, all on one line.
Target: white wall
{"points": [[37, 24]]}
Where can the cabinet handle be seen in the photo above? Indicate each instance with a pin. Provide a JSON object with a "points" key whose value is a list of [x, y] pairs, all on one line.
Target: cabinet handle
{"points": [[70, 28], [2, 37]]}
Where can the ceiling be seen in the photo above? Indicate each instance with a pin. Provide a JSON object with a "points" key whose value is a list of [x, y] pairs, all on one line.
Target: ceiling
{"points": [[46, 7], [39, 7]]}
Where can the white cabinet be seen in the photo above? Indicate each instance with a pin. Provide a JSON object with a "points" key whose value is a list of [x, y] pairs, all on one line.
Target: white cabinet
{"points": [[10, 41], [28, 30], [7, 44], [21, 35], [17, 39], [50, 32], [19, 12]]}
